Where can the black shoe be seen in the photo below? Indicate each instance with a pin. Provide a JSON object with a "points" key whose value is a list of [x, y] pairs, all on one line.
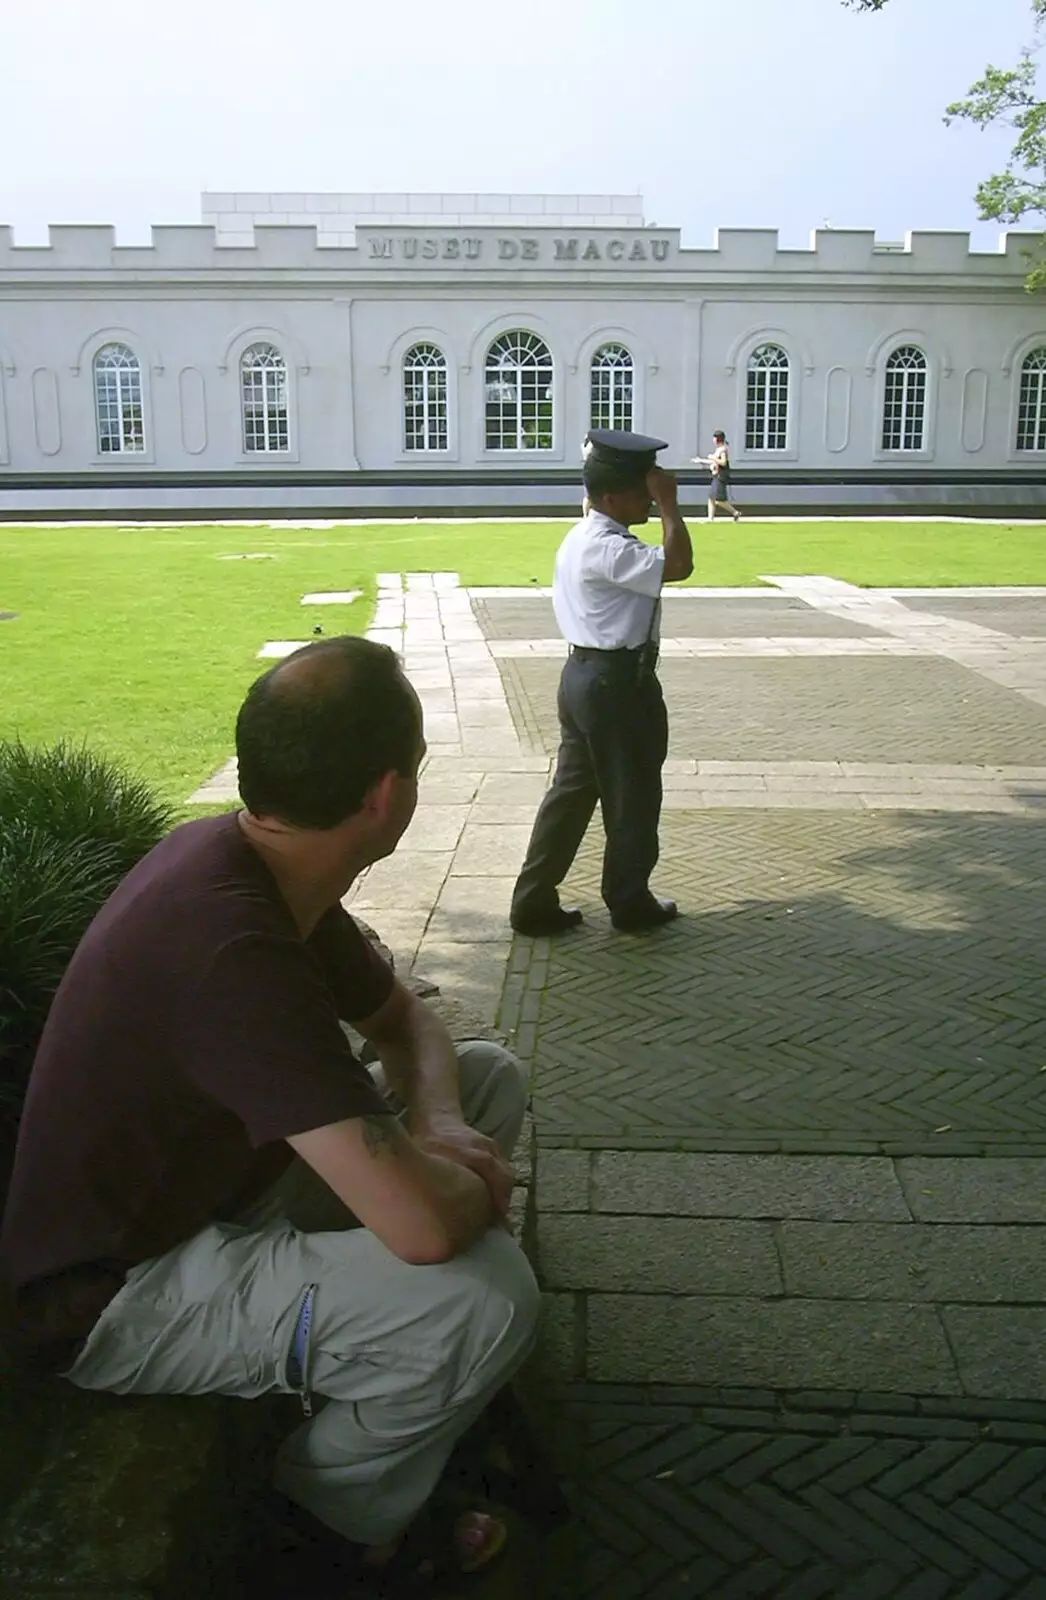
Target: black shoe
{"points": [[545, 924], [648, 913]]}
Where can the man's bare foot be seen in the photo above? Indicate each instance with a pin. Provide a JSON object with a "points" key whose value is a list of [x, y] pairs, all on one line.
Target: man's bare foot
{"points": [[477, 1538]]}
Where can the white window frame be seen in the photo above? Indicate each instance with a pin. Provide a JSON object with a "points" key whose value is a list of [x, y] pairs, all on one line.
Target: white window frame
{"points": [[1034, 361], [433, 372], [758, 368], [275, 398], [904, 451], [118, 394], [612, 370], [498, 370]]}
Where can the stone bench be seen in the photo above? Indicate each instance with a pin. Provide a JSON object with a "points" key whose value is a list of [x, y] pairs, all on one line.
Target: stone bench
{"points": [[104, 1495]]}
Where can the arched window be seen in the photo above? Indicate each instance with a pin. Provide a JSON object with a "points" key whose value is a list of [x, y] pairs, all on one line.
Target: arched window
{"points": [[424, 398], [519, 393], [766, 400], [263, 390], [904, 399], [118, 401], [1031, 407], [613, 376]]}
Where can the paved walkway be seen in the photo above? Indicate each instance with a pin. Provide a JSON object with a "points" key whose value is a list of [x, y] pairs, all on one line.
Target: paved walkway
{"points": [[788, 1150]]}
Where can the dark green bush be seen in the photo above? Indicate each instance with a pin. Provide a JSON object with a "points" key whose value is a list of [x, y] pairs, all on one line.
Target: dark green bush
{"points": [[71, 825], [73, 795]]}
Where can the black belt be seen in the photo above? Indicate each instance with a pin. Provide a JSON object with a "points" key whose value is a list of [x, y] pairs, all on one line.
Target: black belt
{"points": [[588, 652], [638, 664]]}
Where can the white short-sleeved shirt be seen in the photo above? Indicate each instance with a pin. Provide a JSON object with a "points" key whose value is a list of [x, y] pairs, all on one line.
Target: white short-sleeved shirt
{"points": [[607, 585]]}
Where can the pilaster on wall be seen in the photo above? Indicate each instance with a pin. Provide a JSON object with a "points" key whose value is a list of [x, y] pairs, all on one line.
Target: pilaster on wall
{"points": [[692, 362], [345, 305], [7, 370]]}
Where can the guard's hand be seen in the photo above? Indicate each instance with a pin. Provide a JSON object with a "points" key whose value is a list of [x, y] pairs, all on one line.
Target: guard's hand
{"points": [[663, 488], [456, 1141]]}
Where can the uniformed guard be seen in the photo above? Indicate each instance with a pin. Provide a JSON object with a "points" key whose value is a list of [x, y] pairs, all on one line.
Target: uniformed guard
{"points": [[613, 725]]}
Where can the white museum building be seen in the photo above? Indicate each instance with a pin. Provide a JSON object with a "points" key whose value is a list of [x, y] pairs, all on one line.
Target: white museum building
{"points": [[359, 354]]}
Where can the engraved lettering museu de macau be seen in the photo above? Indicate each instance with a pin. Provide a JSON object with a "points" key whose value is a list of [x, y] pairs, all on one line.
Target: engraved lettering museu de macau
{"points": [[583, 250]]}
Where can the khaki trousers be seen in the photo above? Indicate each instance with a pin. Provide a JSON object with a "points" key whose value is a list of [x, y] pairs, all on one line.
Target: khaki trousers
{"points": [[405, 1357]]}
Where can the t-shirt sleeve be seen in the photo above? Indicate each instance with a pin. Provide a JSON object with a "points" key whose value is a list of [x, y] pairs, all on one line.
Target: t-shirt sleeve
{"points": [[358, 976], [261, 1038], [629, 563]]}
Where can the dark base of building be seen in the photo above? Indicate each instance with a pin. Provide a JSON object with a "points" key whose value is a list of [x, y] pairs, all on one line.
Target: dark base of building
{"points": [[142, 494]]}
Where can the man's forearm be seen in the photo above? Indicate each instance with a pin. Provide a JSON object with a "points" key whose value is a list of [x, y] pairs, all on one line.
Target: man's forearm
{"points": [[462, 1201], [422, 1070], [678, 546]]}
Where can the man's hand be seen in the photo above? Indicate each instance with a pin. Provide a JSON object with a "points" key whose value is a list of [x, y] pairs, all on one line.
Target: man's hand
{"points": [[456, 1141], [663, 488]]}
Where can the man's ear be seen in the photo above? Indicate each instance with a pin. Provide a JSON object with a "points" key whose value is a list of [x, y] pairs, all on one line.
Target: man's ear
{"points": [[378, 799]]}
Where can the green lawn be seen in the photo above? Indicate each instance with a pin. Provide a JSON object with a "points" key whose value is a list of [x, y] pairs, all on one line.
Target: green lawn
{"points": [[141, 641]]}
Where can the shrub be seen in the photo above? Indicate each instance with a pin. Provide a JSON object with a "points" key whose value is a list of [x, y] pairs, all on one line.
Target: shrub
{"points": [[71, 825], [73, 795]]}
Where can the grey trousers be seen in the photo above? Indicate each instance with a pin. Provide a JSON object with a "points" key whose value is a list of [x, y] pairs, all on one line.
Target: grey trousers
{"points": [[405, 1357]]}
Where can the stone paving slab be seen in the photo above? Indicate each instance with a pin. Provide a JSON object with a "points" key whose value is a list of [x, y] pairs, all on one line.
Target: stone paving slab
{"points": [[909, 1262], [680, 1255], [847, 709], [470, 972], [988, 1190], [775, 1344], [411, 880], [726, 1185], [473, 910], [837, 981], [436, 827], [1001, 1351], [689, 1491]]}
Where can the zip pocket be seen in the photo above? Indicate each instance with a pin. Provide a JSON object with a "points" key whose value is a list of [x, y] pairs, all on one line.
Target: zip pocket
{"points": [[297, 1369]]}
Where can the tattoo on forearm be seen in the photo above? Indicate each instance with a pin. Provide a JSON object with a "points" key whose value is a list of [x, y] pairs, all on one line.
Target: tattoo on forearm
{"points": [[378, 1134]]}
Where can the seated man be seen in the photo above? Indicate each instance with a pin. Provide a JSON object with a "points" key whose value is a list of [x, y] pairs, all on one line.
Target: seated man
{"points": [[211, 1195]]}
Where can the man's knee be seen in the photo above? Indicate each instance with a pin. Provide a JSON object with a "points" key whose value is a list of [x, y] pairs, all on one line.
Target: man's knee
{"points": [[481, 1060], [494, 1089], [500, 1304]]}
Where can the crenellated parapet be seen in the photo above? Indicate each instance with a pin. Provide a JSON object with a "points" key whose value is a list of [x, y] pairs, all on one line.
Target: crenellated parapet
{"points": [[461, 250]]}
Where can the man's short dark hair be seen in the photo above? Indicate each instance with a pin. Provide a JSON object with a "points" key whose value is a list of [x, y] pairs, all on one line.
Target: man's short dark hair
{"points": [[320, 729], [602, 477]]}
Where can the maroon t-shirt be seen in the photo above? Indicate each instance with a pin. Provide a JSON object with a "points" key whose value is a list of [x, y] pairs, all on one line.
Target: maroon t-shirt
{"points": [[194, 1031]]}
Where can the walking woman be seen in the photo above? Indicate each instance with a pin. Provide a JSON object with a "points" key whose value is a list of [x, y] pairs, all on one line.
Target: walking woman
{"points": [[719, 488]]}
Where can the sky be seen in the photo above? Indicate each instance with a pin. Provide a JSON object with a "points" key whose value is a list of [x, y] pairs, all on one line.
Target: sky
{"points": [[723, 113]]}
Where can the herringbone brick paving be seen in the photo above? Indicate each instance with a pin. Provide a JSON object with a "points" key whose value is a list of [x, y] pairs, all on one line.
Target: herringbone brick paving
{"points": [[864, 983], [776, 615], [685, 1492], [843, 979], [808, 709]]}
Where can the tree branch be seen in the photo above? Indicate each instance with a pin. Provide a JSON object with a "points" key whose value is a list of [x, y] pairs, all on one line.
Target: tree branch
{"points": [[1007, 96]]}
